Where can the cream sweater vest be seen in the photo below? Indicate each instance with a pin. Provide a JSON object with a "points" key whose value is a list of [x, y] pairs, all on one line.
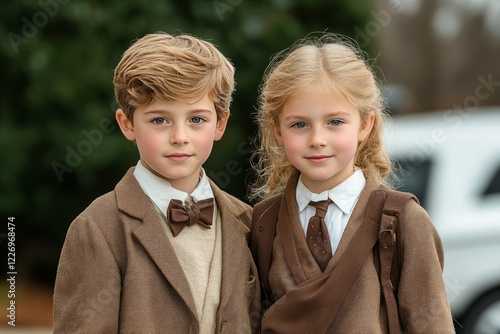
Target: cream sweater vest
{"points": [[199, 251]]}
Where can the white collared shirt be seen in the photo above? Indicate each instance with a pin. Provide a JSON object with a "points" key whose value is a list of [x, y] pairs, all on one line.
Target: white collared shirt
{"points": [[161, 192], [344, 197]]}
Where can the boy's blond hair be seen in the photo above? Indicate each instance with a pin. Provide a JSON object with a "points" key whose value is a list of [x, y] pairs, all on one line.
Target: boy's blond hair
{"points": [[333, 64], [163, 67]]}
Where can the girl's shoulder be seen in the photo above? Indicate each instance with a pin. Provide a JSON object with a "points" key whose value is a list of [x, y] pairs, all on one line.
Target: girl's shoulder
{"points": [[270, 203]]}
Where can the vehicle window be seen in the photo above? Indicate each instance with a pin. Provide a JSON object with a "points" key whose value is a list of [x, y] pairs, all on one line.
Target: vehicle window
{"points": [[411, 177], [493, 186]]}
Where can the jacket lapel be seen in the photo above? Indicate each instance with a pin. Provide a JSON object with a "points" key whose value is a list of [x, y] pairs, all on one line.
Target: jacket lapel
{"points": [[354, 223], [298, 257], [288, 221], [133, 201], [234, 237]]}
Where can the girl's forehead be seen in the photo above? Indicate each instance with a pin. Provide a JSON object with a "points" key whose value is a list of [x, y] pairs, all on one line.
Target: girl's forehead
{"points": [[317, 104], [324, 84], [317, 95]]}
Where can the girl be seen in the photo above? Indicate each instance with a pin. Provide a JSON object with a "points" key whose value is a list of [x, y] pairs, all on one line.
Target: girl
{"points": [[320, 158]]}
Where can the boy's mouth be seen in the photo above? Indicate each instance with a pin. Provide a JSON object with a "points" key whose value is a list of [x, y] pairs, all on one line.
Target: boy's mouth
{"points": [[178, 157]]}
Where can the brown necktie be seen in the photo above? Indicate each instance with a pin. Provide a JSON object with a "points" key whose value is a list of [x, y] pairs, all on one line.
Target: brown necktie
{"points": [[317, 234], [181, 215]]}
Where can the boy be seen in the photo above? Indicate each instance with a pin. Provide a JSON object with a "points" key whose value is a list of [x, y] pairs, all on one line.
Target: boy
{"points": [[166, 251]]}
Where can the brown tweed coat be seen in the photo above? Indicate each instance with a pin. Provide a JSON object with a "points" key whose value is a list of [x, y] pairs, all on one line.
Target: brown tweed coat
{"points": [[423, 304], [118, 272]]}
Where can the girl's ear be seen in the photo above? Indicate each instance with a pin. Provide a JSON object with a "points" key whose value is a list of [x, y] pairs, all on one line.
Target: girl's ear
{"points": [[275, 128], [125, 125], [366, 127], [221, 126]]}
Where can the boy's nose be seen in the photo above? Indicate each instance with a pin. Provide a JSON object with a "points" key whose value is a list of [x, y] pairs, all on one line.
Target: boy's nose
{"points": [[179, 135]]}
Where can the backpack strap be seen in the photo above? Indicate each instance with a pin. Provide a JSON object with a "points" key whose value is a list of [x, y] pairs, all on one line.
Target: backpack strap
{"points": [[263, 231], [389, 249]]}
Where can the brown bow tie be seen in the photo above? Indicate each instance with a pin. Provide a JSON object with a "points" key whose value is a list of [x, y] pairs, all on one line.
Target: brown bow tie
{"points": [[181, 215]]}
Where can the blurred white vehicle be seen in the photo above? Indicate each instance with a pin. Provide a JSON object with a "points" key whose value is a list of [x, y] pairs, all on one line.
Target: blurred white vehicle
{"points": [[451, 161]]}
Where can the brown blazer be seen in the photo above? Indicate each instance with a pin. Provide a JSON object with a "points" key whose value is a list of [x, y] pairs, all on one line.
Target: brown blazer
{"points": [[118, 272], [423, 304]]}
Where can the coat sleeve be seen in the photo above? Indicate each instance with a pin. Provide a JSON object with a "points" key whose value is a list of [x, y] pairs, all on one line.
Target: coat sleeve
{"points": [[88, 285], [423, 303]]}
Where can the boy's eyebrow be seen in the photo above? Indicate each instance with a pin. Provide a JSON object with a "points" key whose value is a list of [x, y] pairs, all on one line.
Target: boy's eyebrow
{"points": [[166, 111]]}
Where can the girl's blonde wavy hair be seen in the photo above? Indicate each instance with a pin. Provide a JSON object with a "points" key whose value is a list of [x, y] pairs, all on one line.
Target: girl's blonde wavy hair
{"points": [[172, 68], [330, 62]]}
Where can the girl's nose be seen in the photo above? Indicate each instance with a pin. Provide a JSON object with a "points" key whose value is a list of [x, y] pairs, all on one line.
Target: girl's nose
{"points": [[317, 137]]}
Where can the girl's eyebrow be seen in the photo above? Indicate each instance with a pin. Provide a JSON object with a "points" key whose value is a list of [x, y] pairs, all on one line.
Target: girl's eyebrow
{"points": [[200, 110], [339, 113]]}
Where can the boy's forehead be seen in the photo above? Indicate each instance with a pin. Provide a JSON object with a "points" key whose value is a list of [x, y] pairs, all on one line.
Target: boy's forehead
{"points": [[199, 103]]}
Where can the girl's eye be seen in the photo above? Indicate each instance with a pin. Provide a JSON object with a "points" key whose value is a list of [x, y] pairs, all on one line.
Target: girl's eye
{"points": [[299, 125], [335, 122], [159, 121], [197, 120]]}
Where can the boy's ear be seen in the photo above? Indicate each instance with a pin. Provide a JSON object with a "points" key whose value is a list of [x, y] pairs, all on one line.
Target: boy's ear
{"points": [[221, 126], [125, 125], [366, 127], [276, 131]]}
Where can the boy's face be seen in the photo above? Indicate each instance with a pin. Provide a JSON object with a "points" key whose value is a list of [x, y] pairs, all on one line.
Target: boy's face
{"points": [[175, 138], [320, 135]]}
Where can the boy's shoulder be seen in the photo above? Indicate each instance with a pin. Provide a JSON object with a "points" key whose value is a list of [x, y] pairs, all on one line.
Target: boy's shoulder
{"points": [[229, 205], [101, 208], [224, 198], [126, 196]]}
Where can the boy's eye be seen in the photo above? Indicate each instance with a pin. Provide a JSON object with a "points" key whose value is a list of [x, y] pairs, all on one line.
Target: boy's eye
{"points": [[159, 121], [299, 125], [197, 120]]}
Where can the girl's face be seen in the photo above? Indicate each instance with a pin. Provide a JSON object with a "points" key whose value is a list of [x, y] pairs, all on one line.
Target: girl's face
{"points": [[320, 134]]}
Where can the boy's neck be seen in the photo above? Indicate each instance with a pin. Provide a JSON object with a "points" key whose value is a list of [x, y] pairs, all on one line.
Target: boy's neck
{"points": [[187, 186]]}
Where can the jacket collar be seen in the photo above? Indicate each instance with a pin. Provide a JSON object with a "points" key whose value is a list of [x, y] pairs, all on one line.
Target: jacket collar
{"points": [[133, 201]]}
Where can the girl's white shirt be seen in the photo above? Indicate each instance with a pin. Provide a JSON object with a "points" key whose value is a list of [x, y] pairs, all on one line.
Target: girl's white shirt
{"points": [[344, 197]]}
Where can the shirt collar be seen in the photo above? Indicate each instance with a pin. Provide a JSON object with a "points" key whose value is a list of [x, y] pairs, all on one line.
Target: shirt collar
{"points": [[161, 192], [344, 195]]}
